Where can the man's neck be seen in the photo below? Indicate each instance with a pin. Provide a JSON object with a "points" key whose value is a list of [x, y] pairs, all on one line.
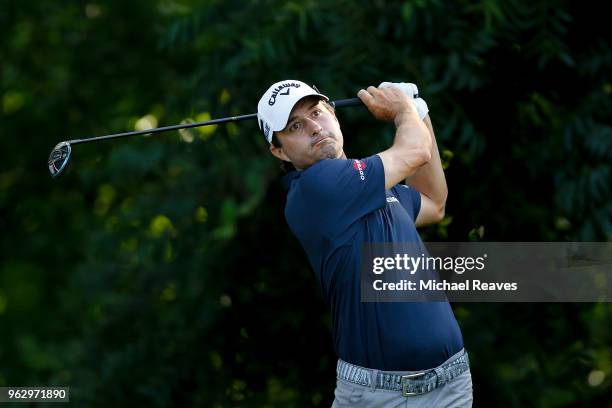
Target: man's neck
{"points": [[341, 155]]}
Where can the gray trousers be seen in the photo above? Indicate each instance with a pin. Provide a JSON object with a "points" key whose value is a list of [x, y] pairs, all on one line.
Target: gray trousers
{"points": [[455, 394]]}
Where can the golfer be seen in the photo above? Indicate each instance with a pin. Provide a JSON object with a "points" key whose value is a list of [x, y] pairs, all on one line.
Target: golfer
{"points": [[390, 354]]}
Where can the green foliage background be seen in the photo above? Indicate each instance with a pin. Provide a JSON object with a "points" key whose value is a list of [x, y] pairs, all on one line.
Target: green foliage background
{"points": [[159, 271]]}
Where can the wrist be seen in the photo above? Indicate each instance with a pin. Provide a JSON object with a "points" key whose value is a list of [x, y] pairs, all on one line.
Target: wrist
{"points": [[405, 117]]}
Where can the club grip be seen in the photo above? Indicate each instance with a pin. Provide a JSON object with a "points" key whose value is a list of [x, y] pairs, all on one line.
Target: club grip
{"points": [[347, 102]]}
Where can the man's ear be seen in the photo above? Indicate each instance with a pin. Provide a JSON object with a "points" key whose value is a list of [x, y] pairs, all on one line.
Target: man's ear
{"points": [[279, 153]]}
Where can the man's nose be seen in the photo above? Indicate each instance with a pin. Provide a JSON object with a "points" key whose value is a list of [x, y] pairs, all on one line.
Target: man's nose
{"points": [[313, 127]]}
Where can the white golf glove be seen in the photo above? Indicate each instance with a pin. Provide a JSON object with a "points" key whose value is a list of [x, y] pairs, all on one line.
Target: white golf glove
{"points": [[411, 90]]}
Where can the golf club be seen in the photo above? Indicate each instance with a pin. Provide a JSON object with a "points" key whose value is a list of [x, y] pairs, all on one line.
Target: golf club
{"points": [[61, 153]]}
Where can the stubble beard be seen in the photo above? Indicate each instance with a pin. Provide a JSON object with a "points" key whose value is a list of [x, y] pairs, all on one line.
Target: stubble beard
{"points": [[329, 148]]}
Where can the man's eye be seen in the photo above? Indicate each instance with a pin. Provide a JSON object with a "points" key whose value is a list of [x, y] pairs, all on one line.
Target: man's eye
{"points": [[295, 126], [317, 112]]}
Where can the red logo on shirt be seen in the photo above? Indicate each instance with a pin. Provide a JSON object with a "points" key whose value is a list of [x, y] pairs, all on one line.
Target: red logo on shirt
{"points": [[360, 167]]}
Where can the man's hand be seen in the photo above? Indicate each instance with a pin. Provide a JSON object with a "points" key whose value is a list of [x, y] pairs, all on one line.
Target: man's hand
{"points": [[389, 104], [413, 93]]}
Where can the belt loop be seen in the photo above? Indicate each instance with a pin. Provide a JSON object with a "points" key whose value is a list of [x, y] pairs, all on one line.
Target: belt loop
{"points": [[440, 373], [373, 379]]}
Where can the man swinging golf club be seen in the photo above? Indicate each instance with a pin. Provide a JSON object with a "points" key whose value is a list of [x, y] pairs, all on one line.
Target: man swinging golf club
{"points": [[390, 354]]}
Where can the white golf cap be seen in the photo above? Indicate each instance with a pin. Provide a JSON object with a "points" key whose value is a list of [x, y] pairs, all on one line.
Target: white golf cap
{"points": [[276, 103]]}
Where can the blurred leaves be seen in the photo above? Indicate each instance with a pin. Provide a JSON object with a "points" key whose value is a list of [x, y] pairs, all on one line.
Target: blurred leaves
{"points": [[159, 270]]}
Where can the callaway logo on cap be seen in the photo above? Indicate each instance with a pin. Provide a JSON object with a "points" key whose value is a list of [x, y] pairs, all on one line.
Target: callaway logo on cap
{"points": [[277, 102]]}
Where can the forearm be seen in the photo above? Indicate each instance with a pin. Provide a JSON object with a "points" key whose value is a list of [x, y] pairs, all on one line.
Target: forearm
{"points": [[411, 149], [429, 179], [413, 140]]}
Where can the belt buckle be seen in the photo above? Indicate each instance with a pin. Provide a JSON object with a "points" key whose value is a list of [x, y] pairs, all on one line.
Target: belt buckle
{"points": [[404, 382]]}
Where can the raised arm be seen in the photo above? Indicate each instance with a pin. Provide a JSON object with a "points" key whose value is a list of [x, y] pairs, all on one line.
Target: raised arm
{"points": [[430, 181], [412, 145]]}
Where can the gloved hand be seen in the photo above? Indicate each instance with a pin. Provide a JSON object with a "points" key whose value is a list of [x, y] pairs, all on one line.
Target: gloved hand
{"points": [[411, 90]]}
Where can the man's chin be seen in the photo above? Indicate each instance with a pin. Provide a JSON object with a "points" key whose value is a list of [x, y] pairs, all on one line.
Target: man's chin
{"points": [[328, 152]]}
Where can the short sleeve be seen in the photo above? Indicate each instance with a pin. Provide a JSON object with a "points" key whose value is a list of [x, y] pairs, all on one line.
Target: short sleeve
{"points": [[341, 191], [410, 199]]}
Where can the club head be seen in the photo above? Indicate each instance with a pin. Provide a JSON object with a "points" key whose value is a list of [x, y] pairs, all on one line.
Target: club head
{"points": [[59, 158]]}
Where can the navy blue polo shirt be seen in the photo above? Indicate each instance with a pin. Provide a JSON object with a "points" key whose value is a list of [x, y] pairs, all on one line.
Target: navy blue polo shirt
{"points": [[333, 207]]}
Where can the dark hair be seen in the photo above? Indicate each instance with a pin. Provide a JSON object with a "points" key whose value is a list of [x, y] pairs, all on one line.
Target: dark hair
{"points": [[285, 165]]}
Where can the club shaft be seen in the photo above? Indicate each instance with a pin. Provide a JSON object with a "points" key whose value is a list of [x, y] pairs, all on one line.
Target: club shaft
{"points": [[165, 129], [338, 104]]}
